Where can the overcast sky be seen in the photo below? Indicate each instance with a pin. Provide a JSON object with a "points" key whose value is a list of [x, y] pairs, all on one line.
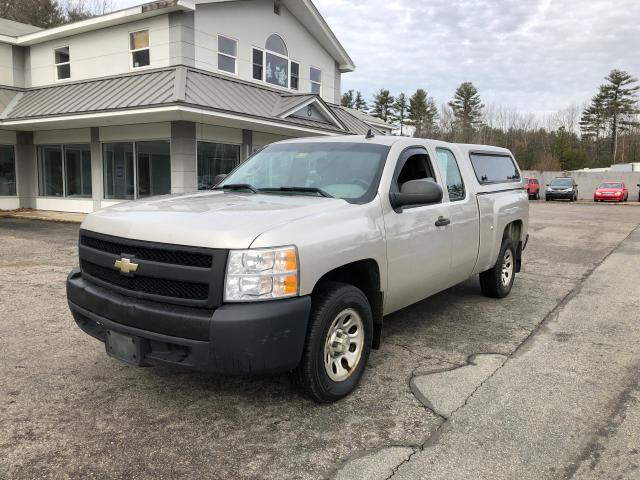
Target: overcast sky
{"points": [[536, 55]]}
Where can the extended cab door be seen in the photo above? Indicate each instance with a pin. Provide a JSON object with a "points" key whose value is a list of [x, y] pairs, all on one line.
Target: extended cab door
{"points": [[463, 210], [418, 238]]}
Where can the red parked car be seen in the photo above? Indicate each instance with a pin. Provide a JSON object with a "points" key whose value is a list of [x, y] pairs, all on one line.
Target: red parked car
{"points": [[611, 191], [533, 187]]}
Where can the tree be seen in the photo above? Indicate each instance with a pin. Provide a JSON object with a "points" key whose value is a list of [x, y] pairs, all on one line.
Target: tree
{"points": [[422, 114], [400, 108], [564, 147], [621, 98], [593, 124], [347, 99], [383, 104], [359, 102], [467, 110], [52, 13]]}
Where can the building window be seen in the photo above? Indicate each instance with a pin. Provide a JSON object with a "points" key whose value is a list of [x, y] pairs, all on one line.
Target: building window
{"points": [[154, 168], [64, 171], [63, 65], [258, 64], [135, 170], [77, 166], [214, 159], [50, 177], [117, 161], [139, 46], [295, 76], [276, 61], [315, 74], [7, 171], [227, 54]]}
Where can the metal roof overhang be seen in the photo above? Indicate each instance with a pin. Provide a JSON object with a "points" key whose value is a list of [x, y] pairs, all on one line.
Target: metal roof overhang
{"points": [[163, 113]]}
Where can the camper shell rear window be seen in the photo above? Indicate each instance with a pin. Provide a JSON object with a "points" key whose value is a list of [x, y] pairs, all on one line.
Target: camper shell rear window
{"points": [[494, 168]]}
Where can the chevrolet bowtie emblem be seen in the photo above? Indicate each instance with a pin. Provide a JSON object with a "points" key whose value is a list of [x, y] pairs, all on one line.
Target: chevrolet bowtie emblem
{"points": [[125, 265]]}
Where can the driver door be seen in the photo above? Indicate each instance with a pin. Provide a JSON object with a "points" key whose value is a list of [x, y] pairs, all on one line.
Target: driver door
{"points": [[419, 238]]}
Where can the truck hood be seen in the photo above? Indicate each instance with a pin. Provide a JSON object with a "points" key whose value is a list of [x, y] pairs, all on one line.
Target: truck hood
{"points": [[209, 219]]}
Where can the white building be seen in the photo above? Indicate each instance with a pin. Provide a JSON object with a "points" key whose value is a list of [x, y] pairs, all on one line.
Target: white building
{"points": [[160, 98]]}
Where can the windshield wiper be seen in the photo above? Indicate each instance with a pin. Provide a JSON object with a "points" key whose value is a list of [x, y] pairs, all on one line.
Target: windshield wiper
{"points": [[238, 186], [319, 191]]}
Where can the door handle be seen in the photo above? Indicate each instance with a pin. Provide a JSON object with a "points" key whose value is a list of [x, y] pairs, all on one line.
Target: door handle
{"points": [[442, 222]]}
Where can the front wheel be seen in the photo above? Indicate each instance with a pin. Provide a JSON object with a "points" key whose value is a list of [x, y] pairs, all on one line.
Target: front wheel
{"points": [[497, 281], [338, 343]]}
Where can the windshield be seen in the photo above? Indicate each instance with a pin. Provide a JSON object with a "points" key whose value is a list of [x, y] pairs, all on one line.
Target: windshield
{"points": [[610, 185], [561, 182], [343, 170]]}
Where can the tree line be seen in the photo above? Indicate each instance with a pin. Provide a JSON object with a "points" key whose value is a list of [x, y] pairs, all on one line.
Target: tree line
{"points": [[604, 131], [52, 13]]}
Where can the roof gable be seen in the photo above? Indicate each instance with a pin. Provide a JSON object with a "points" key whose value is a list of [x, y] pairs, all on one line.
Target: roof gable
{"points": [[307, 107], [309, 16]]}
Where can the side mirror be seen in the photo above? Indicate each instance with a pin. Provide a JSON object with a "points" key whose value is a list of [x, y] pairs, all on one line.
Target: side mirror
{"points": [[638, 185], [416, 192], [218, 178], [576, 185], [547, 184]]}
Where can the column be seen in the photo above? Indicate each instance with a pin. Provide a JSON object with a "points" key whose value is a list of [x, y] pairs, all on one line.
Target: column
{"points": [[27, 173], [183, 157]]}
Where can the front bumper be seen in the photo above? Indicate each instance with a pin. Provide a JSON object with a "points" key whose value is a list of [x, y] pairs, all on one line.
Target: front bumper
{"points": [[608, 198], [241, 338], [564, 195]]}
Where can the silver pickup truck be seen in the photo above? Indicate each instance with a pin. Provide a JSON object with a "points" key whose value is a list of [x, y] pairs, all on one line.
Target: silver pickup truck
{"points": [[292, 261]]}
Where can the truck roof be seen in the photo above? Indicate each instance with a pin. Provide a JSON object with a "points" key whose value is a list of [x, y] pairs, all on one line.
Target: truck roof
{"points": [[390, 140]]}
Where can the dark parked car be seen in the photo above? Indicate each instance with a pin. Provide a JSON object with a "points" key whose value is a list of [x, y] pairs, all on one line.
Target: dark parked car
{"points": [[562, 187]]}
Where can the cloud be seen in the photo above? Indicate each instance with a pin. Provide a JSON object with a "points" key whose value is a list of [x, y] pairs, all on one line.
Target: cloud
{"points": [[537, 56]]}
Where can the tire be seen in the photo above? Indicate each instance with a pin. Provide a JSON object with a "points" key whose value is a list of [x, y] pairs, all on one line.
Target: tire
{"points": [[491, 281], [547, 199], [329, 304], [538, 196]]}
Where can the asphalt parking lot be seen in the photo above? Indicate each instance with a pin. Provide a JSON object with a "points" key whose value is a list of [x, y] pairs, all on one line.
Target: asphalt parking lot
{"points": [[69, 411]]}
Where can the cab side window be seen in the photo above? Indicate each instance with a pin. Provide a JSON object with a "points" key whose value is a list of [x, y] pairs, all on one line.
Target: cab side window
{"points": [[416, 167], [451, 173]]}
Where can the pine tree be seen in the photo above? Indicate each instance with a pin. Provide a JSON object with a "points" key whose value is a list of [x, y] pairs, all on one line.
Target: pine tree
{"points": [[347, 99], [621, 99], [593, 123], [383, 104], [422, 114], [359, 102], [467, 110], [400, 111]]}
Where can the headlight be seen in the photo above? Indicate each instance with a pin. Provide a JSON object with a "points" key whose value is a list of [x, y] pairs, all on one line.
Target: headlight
{"points": [[261, 274]]}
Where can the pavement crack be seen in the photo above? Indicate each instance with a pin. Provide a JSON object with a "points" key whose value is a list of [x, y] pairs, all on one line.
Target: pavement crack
{"points": [[425, 357]]}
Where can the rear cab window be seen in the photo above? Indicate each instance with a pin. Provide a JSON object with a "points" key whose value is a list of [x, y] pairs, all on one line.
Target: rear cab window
{"points": [[494, 168]]}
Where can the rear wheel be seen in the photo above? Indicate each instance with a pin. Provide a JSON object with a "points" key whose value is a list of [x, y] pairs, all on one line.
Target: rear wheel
{"points": [[497, 281], [338, 343], [537, 195]]}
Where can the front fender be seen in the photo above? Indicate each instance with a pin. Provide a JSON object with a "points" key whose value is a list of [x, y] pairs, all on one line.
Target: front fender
{"points": [[331, 240]]}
